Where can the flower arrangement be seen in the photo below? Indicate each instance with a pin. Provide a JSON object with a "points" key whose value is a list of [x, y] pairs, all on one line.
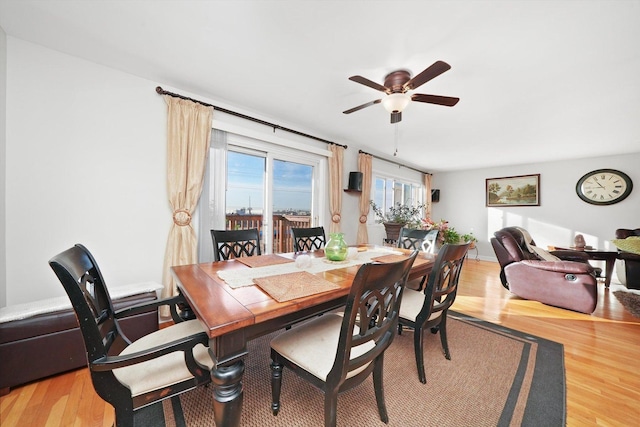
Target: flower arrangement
{"points": [[399, 214], [446, 233], [429, 224]]}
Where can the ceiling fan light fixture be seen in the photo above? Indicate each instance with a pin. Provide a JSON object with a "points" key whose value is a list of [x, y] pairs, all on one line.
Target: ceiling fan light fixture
{"points": [[396, 102]]}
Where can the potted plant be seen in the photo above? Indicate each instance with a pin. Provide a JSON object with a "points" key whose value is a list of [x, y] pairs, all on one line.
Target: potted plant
{"points": [[451, 236], [396, 217], [469, 238]]}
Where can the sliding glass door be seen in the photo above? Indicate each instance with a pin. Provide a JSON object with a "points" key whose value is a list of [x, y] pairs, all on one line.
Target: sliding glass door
{"points": [[292, 204], [263, 186]]}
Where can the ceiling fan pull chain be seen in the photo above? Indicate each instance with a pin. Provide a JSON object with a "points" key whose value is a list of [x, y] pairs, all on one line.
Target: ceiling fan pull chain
{"points": [[395, 131]]}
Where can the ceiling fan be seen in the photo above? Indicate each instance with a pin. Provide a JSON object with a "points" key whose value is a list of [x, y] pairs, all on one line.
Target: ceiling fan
{"points": [[396, 86]]}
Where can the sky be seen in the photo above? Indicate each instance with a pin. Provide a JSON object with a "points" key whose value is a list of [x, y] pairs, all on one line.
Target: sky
{"points": [[292, 183]]}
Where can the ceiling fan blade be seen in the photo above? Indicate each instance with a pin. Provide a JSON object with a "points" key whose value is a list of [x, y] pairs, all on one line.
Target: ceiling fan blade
{"points": [[360, 107], [447, 101], [396, 117], [369, 83], [433, 71]]}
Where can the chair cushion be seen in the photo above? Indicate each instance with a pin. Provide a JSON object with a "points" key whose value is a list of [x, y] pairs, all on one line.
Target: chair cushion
{"points": [[166, 370], [412, 302], [630, 244], [57, 304], [313, 345]]}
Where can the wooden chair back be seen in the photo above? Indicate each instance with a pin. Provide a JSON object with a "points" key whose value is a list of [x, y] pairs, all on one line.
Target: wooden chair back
{"points": [[308, 239], [235, 243]]}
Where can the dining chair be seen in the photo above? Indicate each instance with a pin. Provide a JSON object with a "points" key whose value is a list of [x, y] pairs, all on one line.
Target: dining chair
{"points": [[130, 375], [430, 241], [336, 352], [418, 239], [422, 310], [235, 243], [308, 239], [411, 238]]}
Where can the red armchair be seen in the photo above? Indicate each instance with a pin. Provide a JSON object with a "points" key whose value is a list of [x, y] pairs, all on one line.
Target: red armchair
{"points": [[565, 279]]}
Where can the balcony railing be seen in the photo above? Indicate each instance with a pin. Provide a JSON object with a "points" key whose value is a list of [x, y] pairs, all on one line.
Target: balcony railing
{"points": [[281, 224]]}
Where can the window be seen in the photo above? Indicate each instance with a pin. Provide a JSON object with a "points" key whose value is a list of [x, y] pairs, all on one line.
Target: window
{"points": [[255, 184], [386, 192]]}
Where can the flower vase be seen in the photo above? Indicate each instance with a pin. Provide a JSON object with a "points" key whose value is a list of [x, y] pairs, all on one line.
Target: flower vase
{"points": [[336, 248]]}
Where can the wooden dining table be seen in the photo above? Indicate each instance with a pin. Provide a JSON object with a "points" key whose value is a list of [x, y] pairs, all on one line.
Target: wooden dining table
{"points": [[232, 316]]}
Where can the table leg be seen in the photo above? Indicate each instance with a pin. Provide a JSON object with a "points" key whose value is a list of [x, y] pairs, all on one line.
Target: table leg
{"points": [[610, 262], [227, 394], [228, 353]]}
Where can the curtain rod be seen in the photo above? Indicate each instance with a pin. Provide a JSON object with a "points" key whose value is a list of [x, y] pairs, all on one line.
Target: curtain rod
{"points": [[391, 161], [161, 91]]}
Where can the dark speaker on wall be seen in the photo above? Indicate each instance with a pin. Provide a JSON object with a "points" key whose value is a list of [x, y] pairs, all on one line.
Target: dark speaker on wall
{"points": [[435, 195], [355, 181]]}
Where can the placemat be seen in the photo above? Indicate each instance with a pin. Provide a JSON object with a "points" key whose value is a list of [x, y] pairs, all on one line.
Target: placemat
{"points": [[285, 287], [397, 258], [263, 260]]}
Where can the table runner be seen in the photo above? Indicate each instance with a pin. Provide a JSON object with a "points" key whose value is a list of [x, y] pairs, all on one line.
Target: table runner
{"points": [[237, 278]]}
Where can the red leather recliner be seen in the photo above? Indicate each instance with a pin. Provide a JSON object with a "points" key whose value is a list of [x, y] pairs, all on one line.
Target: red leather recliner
{"points": [[569, 282]]}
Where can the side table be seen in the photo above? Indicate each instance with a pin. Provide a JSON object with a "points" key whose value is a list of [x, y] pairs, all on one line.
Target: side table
{"points": [[609, 257]]}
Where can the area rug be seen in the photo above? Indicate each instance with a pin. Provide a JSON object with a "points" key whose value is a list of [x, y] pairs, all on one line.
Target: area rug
{"points": [[496, 377], [630, 301]]}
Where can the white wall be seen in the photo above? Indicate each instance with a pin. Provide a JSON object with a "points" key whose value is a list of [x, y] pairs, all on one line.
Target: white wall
{"points": [[86, 163], [561, 213], [3, 166]]}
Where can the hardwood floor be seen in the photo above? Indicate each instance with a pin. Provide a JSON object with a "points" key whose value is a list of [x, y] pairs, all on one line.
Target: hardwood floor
{"points": [[602, 360]]}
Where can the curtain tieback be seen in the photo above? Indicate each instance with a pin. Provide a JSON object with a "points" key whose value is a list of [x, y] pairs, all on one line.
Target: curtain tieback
{"points": [[181, 217], [336, 218], [363, 219]]}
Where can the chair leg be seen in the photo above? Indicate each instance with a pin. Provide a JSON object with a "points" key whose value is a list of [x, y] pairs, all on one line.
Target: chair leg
{"points": [[417, 344], [330, 408], [124, 416], [379, 388], [421, 286], [276, 386], [443, 336]]}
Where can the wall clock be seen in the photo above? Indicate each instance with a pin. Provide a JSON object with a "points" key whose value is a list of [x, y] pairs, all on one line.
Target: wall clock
{"points": [[604, 187]]}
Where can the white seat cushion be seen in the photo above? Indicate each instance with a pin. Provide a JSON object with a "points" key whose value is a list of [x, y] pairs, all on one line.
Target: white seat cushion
{"points": [[166, 370], [51, 305], [412, 302], [313, 345]]}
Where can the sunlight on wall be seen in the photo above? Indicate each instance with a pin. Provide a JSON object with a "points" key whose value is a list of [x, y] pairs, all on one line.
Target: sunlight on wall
{"points": [[546, 234], [495, 221], [543, 233]]}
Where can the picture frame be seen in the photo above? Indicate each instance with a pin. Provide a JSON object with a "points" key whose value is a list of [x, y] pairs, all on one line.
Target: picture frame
{"points": [[509, 191]]}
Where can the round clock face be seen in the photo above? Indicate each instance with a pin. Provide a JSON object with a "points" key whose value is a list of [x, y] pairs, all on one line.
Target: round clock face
{"points": [[604, 187]]}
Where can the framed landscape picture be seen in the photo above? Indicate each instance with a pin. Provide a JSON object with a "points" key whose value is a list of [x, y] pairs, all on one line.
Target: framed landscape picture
{"points": [[523, 190]]}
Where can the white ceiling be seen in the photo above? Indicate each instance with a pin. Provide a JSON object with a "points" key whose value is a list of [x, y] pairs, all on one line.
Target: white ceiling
{"points": [[538, 80]]}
